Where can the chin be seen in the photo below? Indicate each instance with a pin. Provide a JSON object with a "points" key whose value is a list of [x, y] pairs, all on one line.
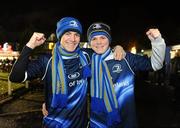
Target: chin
{"points": [[71, 49], [99, 52]]}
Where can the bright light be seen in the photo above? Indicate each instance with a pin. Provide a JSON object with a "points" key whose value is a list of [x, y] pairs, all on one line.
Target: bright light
{"points": [[133, 50], [5, 46], [51, 45], [175, 47]]}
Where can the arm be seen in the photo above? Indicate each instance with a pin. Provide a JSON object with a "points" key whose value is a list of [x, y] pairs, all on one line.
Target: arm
{"points": [[20, 66], [18, 72], [143, 63], [158, 48]]}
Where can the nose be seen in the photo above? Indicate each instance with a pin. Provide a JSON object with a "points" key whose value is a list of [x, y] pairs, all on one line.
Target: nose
{"points": [[73, 37], [98, 42]]}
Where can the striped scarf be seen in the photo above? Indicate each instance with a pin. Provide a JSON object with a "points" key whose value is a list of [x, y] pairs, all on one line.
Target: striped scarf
{"points": [[59, 82], [103, 98]]}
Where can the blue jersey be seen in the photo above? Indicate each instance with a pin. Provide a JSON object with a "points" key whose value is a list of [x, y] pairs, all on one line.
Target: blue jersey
{"points": [[121, 99], [122, 73], [74, 114]]}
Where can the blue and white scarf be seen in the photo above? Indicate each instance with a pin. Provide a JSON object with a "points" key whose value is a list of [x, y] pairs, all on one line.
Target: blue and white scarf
{"points": [[59, 82], [103, 98]]}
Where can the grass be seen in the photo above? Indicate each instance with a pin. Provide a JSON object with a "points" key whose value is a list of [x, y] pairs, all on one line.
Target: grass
{"points": [[4, 75], [4, 86], [4, 83]]}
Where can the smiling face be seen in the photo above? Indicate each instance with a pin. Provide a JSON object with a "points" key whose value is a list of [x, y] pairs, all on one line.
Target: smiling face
{"points": [[99, 44], [70, 40]]}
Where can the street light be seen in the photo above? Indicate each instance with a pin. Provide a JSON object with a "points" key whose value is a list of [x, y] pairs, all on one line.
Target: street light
{"points": [[133, 50]]}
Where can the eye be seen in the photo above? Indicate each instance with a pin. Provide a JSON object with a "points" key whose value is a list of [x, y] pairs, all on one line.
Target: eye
{"points": [[103, 37], [94, 38], [77, 34]]}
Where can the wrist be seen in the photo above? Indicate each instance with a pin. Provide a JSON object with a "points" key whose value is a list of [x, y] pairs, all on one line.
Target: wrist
{"points": [[30, 45]]}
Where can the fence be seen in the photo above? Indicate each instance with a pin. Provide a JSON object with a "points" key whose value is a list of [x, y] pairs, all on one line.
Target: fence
{"points": [[7, 87]]}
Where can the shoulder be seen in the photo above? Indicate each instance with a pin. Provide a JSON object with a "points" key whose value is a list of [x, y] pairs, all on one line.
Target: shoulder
{"points": [[88, 51], [44, 57]]}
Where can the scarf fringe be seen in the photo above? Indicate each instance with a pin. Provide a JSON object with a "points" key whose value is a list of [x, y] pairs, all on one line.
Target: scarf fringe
{"points": [[113, 117]]}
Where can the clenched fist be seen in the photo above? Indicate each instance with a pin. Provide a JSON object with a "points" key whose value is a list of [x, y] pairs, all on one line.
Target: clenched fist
{"points": [[36, 39]]}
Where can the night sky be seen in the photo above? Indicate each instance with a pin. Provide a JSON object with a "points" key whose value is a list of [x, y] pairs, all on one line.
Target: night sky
{"points": [[128, 22]]}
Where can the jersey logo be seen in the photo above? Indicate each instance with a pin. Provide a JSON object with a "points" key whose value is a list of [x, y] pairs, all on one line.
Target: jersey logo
{"points": [[116, 68], [74, 75]]}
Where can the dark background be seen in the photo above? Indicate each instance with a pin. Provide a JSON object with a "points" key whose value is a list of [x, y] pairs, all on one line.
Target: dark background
{"points": [[129, 21]]}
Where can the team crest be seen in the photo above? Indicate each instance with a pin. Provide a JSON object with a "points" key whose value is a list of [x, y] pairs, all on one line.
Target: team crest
{"points": [[97, 26], [116, 68], [73, 23]]}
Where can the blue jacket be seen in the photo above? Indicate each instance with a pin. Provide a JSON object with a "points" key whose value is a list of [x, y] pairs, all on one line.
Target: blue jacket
{"points": [[75, 113], [123, 74]]}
